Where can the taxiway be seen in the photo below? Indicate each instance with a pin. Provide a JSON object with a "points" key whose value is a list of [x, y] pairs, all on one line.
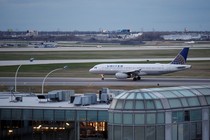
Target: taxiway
{"points": [[60, 81]]}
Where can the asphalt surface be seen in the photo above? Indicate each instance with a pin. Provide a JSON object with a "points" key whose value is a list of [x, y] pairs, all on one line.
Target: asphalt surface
{"points": [[90, 48], [112, 48], [59, 81], [36, 62]]}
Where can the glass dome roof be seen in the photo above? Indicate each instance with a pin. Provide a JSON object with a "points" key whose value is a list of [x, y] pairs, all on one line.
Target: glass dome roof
{"points": [[162, 98]]}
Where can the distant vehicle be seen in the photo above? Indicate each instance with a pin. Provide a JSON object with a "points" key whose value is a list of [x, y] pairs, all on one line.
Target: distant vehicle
{"points": [[46, 45], [98, 46], [190, 42], [135, 71]]}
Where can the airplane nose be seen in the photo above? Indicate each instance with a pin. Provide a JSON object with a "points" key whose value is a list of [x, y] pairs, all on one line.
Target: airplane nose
{"points": [[90, 70]]}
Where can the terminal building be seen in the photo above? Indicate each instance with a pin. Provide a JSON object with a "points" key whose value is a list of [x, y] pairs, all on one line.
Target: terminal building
{"points": [[171, 113]]}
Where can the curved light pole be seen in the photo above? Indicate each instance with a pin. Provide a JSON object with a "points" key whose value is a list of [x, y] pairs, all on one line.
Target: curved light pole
{"points": [[31, 60], [65, 67], [16, 77]]}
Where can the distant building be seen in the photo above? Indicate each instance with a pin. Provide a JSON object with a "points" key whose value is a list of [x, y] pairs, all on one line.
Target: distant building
{"points": [[32, 33], [125, 31], [182, 37]]}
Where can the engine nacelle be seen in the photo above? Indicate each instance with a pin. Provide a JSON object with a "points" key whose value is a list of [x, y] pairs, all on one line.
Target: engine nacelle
{"points": [[120, 75]]}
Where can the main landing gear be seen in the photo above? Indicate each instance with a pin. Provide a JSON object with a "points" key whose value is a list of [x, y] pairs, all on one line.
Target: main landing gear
{"points": [[136, 78]]}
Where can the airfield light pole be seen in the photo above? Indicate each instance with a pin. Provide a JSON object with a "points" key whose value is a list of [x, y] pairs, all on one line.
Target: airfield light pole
{"points": [[31, 60], [65, 67]]}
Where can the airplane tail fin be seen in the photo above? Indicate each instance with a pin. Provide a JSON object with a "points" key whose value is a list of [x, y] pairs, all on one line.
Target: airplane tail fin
{"points": [[181, 58]]}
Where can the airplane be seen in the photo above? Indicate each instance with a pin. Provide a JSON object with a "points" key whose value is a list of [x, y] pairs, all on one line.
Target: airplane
{"points": [[135, 71]]}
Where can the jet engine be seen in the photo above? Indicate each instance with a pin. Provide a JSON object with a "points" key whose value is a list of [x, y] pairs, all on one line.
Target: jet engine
{"points": [[120, 75]]}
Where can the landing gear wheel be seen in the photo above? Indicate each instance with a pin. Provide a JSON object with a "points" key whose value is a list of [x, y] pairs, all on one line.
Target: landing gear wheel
{"points": [[136, 78]]}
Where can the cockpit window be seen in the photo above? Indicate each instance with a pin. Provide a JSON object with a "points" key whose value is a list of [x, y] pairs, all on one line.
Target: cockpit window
{"points": [[95, 67]]}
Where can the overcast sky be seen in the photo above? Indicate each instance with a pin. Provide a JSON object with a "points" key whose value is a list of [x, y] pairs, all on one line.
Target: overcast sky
{"points": [[92, 15]]}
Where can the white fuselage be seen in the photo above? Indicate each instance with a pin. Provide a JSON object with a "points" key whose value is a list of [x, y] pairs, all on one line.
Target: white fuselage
{"points": [[143, 69]]}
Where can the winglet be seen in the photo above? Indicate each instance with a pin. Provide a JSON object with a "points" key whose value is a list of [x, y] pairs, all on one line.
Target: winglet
{"points": [[181, 58]]}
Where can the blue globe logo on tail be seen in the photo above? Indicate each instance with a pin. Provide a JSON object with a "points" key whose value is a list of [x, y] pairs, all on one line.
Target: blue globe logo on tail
{"points": [[181, 58]]}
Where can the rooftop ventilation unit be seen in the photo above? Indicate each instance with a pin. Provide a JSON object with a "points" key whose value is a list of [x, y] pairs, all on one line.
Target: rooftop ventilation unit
{"points": [[93, 97], [56, 95], [60, 95], [86, 99], [106, 94], [77, 100], [82, 100]]}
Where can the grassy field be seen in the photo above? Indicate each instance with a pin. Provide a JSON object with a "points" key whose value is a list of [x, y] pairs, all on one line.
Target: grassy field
{"points": [[200, 69], [100, 54]]}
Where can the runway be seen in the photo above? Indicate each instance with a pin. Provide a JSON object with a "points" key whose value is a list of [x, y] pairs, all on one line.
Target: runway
{"points": [[60, 81]]}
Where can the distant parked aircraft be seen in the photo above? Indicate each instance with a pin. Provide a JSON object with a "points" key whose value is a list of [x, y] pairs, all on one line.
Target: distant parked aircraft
{"points": [[190, 42], [46, 45], [135, 71]]}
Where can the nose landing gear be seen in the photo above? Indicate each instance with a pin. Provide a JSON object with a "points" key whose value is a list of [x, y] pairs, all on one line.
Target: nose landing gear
{"points": [[102, 77]]}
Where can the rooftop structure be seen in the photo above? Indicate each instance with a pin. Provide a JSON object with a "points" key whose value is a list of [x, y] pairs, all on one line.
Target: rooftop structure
{"points": [[171, 113], [163, 98]]}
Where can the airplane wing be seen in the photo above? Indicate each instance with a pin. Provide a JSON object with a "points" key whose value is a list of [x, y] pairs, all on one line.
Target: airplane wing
{"points": [[135, 73], [132, 72]]}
